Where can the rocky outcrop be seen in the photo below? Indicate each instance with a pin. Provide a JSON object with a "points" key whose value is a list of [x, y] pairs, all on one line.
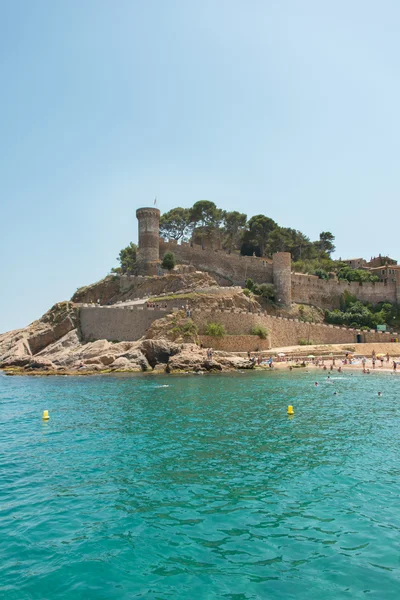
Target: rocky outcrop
{"points": [[158, 351], [193, 358], [52, 345], [18, 347], [119, 288]]}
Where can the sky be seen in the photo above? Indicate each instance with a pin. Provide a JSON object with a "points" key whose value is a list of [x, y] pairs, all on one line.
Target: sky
{"points": [[289, 109]]}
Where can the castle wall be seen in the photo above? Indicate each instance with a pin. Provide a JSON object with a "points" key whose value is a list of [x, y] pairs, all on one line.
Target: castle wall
{"points": [[117, 324], [131, 323], [235, 343], [229, 269], [233, 269], [282, 332], [309, 289], [281, 267]]}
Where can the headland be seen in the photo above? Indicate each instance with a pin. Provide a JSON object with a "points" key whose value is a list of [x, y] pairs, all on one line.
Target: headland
{"points": [[212, 310]]}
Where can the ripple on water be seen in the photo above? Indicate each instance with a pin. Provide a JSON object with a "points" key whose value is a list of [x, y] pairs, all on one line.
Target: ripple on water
{"points": [[177, 487]]}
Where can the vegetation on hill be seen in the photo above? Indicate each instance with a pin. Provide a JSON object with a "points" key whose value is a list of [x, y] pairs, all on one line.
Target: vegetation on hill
{"points": [[168, 261], [204, 223], [266, 290], [126, 259], [354, 313], [326, 268]]}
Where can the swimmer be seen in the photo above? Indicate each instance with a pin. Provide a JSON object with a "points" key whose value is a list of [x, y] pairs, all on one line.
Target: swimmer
{"points": [[379, 394], [334, 393], [316, 383]]}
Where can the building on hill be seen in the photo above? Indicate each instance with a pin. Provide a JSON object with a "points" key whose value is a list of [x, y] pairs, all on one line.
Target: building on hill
{"points": [[386, 273], [355, 263], [379, 261]]}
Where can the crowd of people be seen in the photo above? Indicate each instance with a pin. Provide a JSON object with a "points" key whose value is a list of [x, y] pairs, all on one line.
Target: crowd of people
{"points": [[156, 305]]}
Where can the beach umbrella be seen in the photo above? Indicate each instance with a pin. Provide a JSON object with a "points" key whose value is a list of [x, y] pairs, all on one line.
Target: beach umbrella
{"points": [[380, 354], [281, 354], [311, 356]]}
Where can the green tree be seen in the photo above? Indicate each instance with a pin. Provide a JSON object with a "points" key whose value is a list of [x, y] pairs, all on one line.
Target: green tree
{"points": [[205, 214], [127, 259], [168, 262], [234, 226], [259, 230], [325, 244], [280, 240], [175, 224]]}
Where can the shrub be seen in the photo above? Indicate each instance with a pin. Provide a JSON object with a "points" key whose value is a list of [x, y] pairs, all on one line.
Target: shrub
{"points": [[304, 342], [260, 331], [168, 261], [267, 290], [215, 329], [186, 329], [249, 284], [247, 292]]}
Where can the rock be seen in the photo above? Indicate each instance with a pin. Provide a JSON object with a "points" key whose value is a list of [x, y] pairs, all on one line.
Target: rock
{"points": [[158, 351], [137, 360], [235, 362], [93, 361], [107, 359], [41, 364], [121, 363], [192, 358], [18, 355], [95, 349]]}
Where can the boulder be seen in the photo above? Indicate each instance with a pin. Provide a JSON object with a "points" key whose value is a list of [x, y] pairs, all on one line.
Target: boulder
{"points": [[158, 351], [40, 364], [18, 354], [106, 359], [192, 358]]}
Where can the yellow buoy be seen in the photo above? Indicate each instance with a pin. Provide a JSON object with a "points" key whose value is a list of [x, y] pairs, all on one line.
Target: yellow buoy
{"points": [[290, 410], [45, 415]]}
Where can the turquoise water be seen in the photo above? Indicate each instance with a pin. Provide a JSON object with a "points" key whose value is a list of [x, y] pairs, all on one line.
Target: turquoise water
{"points": [[202, 489]]}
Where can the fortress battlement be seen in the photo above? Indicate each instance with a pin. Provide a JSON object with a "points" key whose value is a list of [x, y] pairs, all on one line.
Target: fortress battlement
{"points": [[233, 269]]}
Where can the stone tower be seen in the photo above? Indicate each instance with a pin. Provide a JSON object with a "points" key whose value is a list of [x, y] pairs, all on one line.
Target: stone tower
{"points": [[282, 277], [148, 256]]}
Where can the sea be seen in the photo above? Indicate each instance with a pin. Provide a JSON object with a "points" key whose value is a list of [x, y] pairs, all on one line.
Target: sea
{"points": [[200, 487]]}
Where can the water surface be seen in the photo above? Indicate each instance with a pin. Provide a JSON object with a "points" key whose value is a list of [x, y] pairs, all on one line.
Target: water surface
{"points": [[182, 487]]}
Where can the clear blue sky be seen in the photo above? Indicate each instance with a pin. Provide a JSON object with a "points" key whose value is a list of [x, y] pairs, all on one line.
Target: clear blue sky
{"points": [[289, 108]]}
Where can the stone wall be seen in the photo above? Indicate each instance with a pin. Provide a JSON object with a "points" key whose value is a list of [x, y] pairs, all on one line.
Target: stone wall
{"points": [[235, 343], [117, 324], [283, 331], [308, 289], [229, 269], [305, 289], [131, 323]]}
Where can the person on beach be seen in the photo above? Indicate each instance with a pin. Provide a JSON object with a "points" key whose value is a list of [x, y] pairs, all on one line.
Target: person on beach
{"points": [[394, 365], [373, 361], [387, 357]]}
